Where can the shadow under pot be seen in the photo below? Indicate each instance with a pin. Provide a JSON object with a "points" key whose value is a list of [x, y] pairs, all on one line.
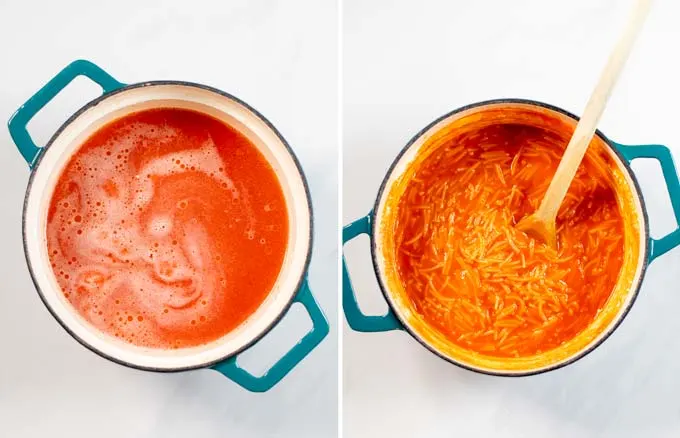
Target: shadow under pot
{"points": [[471, 288], [138, 230]]}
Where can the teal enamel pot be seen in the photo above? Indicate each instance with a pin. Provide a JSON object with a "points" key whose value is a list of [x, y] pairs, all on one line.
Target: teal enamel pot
{"points": [[117, 100], [640, 249]]}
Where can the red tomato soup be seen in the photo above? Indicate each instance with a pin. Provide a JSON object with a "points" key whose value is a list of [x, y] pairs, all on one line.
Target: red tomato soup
{"points": [[167, 229]]}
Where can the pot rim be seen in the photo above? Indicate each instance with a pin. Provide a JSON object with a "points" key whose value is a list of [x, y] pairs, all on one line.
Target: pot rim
{"points": [[303, 272], [405, 324]]}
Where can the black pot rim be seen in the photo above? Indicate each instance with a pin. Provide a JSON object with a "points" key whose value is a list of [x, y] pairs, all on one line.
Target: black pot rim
{"points": [[383, 287], [223, 94]]}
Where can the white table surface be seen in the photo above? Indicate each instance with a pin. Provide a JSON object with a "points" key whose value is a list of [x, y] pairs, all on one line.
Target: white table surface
{"points": [[272, 55], [408, 62]]}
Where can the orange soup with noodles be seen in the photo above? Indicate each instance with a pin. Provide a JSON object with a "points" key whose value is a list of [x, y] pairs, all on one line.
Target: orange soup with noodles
{"points": [[475, 278]]}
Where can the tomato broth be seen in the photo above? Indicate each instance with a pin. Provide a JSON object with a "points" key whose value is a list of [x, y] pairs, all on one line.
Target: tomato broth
{"points": [[167, 229]]}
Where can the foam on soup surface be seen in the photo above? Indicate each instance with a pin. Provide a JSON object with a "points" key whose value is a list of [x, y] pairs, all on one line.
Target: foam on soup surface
{"points": [[167, 229]]}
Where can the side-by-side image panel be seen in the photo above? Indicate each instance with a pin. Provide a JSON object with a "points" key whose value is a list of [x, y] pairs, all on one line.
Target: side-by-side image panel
{"points": [[170, 191], [505, 265]]}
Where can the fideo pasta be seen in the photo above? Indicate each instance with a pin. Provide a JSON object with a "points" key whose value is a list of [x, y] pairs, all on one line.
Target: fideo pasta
{"points": [[472, 275]]}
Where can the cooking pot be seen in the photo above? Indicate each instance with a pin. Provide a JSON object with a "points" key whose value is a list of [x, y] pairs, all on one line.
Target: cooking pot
{"points": [[118, 100], [640, 248]]}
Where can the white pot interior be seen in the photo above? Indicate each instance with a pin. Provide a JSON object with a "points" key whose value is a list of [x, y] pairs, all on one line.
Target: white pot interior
{"points": [[394, 290], [231, 112]]}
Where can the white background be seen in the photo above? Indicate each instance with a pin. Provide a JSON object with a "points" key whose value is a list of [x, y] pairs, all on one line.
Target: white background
{"points": [[278, 56], [408, 62]]}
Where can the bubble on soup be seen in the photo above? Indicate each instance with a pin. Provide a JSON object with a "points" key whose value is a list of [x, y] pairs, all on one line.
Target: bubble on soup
{"points": [[160, 226]]}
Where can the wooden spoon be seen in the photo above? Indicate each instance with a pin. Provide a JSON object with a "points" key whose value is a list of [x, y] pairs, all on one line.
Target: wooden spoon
{"points": [[541, 224]]}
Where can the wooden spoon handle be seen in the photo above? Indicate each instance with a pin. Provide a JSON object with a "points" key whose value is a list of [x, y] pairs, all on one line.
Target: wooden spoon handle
{"points": [[585, 129]]}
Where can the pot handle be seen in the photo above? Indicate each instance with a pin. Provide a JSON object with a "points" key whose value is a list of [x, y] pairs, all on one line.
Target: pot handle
{"points": [[663, 155], [355, 317], [294, 356], [17, 123]]}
